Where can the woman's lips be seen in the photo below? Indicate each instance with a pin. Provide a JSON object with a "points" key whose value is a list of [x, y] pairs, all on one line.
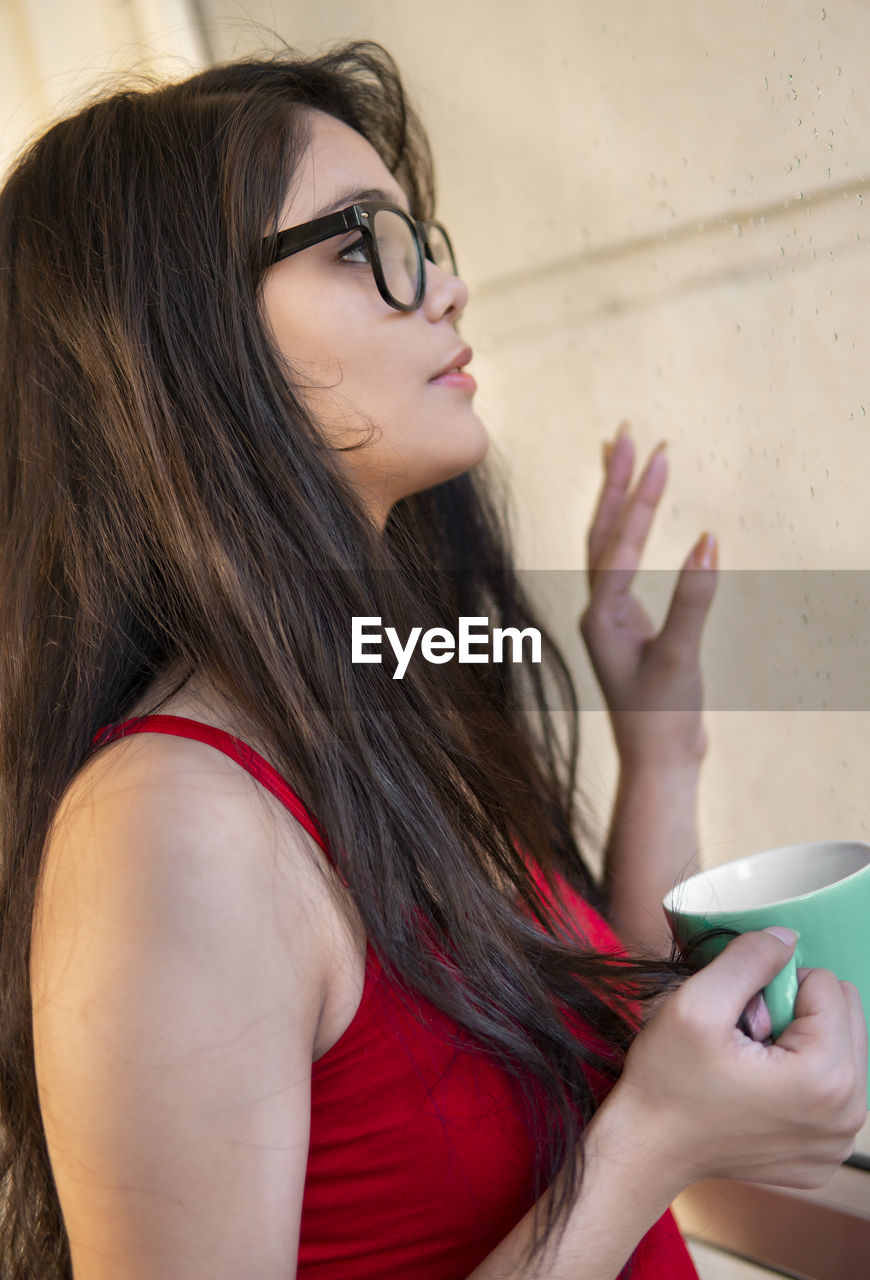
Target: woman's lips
{"points": [[454, 378]]}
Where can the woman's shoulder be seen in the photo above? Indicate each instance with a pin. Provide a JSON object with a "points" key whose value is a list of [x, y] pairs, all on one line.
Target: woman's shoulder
{"points": [[179, 768], [174, 783], [167, 818], [187, 832]]}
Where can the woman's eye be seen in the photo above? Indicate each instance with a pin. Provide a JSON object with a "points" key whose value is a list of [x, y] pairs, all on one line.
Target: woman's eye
{"points": [[358, 247]]}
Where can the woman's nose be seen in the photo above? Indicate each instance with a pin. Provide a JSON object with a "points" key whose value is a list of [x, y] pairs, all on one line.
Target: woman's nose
{"points": [[445, 292]]}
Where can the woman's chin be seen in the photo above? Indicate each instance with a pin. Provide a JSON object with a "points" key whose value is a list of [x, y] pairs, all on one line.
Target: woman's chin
{"points": [[474, 450], [472, 445]]}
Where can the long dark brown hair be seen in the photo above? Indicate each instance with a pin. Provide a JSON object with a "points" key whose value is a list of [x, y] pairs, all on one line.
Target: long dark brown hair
{"points": [[166, 499]]}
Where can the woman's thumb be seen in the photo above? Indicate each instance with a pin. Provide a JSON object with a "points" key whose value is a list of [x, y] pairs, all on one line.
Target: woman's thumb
{"points": [[721, 991]]}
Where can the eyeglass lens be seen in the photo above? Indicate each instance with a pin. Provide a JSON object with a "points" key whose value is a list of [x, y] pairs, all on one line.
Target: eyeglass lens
{"points": [[397, 249]]}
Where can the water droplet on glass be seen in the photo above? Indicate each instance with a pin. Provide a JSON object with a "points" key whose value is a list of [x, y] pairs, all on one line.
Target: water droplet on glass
{"points": [[822, 15]]}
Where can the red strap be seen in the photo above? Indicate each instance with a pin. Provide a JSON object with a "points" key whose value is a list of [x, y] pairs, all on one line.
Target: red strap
{"points": [[246, 756]]}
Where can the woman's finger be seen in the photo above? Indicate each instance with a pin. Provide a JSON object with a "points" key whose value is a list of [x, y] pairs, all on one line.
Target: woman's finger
{"points": [[717, 994], [756, 1019], [834, 1009], [816, 995], [621, 558], [857, 1025], [821, 1004], [691, 601], [617, 478]]}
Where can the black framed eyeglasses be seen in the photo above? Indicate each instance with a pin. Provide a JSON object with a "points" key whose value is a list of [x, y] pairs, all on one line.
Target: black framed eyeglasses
{"points": [[395, 245]]}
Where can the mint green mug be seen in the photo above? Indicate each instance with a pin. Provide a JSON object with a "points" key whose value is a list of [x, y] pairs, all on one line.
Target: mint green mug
{"points": [[821, 890]]}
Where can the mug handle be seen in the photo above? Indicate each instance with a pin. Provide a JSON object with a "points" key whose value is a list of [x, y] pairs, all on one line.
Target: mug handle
{"points": [[780, 995]]}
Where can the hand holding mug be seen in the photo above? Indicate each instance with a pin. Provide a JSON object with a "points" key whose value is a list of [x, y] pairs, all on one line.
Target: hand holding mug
{"points": [[713, 1103], [819, 890]]}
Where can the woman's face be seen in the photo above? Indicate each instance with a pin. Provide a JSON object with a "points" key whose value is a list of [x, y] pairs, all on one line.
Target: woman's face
{"points": [[356, 360]]}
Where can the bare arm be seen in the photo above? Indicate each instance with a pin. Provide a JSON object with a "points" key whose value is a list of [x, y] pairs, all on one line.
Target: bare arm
{"points": [[174, 1019], [624, 1192], [652, 684], [653, 843]]}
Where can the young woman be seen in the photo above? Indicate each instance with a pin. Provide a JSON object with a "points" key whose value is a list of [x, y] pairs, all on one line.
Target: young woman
{"points": [[302, 971]]}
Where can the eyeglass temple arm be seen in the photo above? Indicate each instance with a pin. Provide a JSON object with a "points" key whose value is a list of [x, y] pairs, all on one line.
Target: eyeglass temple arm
{"points": [[310, 233]]}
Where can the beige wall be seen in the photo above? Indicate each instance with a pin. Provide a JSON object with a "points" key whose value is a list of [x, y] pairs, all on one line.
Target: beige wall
{"points": [[52, 52], [661, 210]]}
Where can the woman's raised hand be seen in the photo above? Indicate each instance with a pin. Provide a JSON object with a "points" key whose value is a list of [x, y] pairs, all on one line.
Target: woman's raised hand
{"points": [[651, 681], [716, 1104]]}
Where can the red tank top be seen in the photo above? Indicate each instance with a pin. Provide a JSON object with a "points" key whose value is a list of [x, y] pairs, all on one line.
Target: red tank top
{"points": [[420, 1159]]}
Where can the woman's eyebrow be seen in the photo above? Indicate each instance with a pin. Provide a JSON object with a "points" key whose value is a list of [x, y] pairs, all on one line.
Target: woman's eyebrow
{"points": [[370, 193]]}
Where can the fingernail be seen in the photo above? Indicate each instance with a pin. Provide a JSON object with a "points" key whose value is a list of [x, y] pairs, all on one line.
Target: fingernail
{"points": [[788, 936], [607, 451], [657, 452], [705, 556]]}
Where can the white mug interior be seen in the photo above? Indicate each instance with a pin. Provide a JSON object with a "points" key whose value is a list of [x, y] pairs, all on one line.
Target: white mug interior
{"points": [[768, 878]]}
